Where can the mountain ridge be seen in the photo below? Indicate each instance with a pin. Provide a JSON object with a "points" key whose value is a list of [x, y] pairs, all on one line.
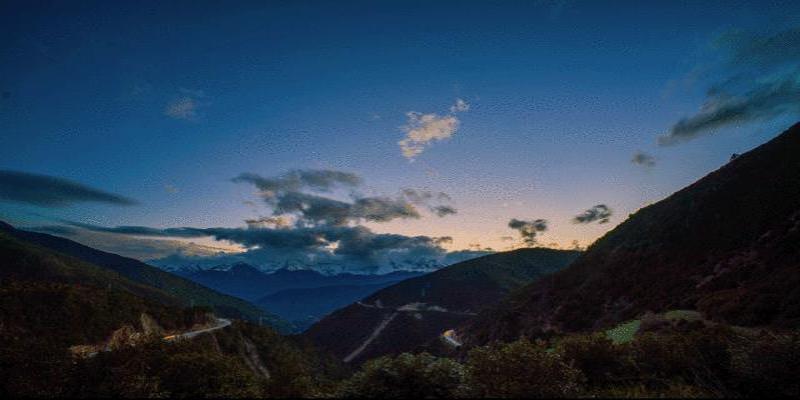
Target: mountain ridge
{"points": [[188, 292], [723, 245], [411, 314]]}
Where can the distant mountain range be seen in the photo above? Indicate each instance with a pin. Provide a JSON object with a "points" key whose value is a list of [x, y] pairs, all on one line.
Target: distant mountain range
{"points": [[184, 265], [248, 282], [301, 296], [411, 314], [727, 246], [152, 283]]}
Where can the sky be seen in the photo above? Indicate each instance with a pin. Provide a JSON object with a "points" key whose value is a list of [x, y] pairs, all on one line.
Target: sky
{"points": [[142, 114]]}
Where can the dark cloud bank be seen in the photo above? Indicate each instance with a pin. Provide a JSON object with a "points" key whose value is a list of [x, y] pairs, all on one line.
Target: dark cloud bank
{"points": [[49, 191], [312, 228], [762, 82]]}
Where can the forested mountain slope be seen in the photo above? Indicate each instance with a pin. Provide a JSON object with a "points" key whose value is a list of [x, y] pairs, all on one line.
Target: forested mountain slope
{"points": [[412, 313], [727, 246]]}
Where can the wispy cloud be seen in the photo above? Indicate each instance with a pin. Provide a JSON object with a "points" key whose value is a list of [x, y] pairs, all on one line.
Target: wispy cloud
{"points": [[299, 194], [435, 202], [423, 129], [181, 108], [352, 248], [600, 213], [762, 82], [128, 246], [185, 106], [460, 106], [51, 191], [644, 159]]}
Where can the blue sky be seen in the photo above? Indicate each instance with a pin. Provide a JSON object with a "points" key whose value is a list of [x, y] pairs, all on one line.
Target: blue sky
{"points": [[165, 102]]}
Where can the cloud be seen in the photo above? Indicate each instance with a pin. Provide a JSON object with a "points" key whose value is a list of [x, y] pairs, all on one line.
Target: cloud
{"points": [[443, 211], [344, 248], [764, 51], [309, 230], [185, 106], [383, 209], [140, 230], [296, 194], [181, 108], [460, 106], [423, 129], [761, 82], [600, 213], [528, 230], [50, 191], [443, 240], [268, 222], [312, 210], [764, 101], [319, 180], [138, 248], [642, 158], [424, 196], [433, 201], [59, 230]]}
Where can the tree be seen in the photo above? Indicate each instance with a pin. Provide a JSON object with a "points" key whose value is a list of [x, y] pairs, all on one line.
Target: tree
{"points": [[406, 376]]}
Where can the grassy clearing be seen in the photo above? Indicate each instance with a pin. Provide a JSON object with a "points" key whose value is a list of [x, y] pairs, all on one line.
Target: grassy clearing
{"points": [[625, 332]]}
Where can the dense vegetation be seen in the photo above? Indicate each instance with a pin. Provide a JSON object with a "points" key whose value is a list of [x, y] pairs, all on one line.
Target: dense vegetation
{"points": [[704, 362], [239, 361], [52, 303]]}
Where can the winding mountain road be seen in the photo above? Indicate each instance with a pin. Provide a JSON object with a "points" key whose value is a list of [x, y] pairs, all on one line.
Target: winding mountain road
{"points": [[450, 338], [371, 337], [220, 323]]}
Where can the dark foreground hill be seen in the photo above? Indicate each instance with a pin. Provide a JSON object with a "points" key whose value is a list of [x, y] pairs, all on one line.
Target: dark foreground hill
{"points": [[69, 328], [182, 290], [411, 314], [727, 246]]}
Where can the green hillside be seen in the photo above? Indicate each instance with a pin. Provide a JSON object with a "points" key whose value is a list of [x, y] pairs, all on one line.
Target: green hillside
{"points": [[184, 291]]}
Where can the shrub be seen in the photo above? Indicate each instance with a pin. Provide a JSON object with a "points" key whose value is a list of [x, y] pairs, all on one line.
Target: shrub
{"points": [[767, 365], [698, 358], [595, 355], [520, 369], [406, 376]]}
